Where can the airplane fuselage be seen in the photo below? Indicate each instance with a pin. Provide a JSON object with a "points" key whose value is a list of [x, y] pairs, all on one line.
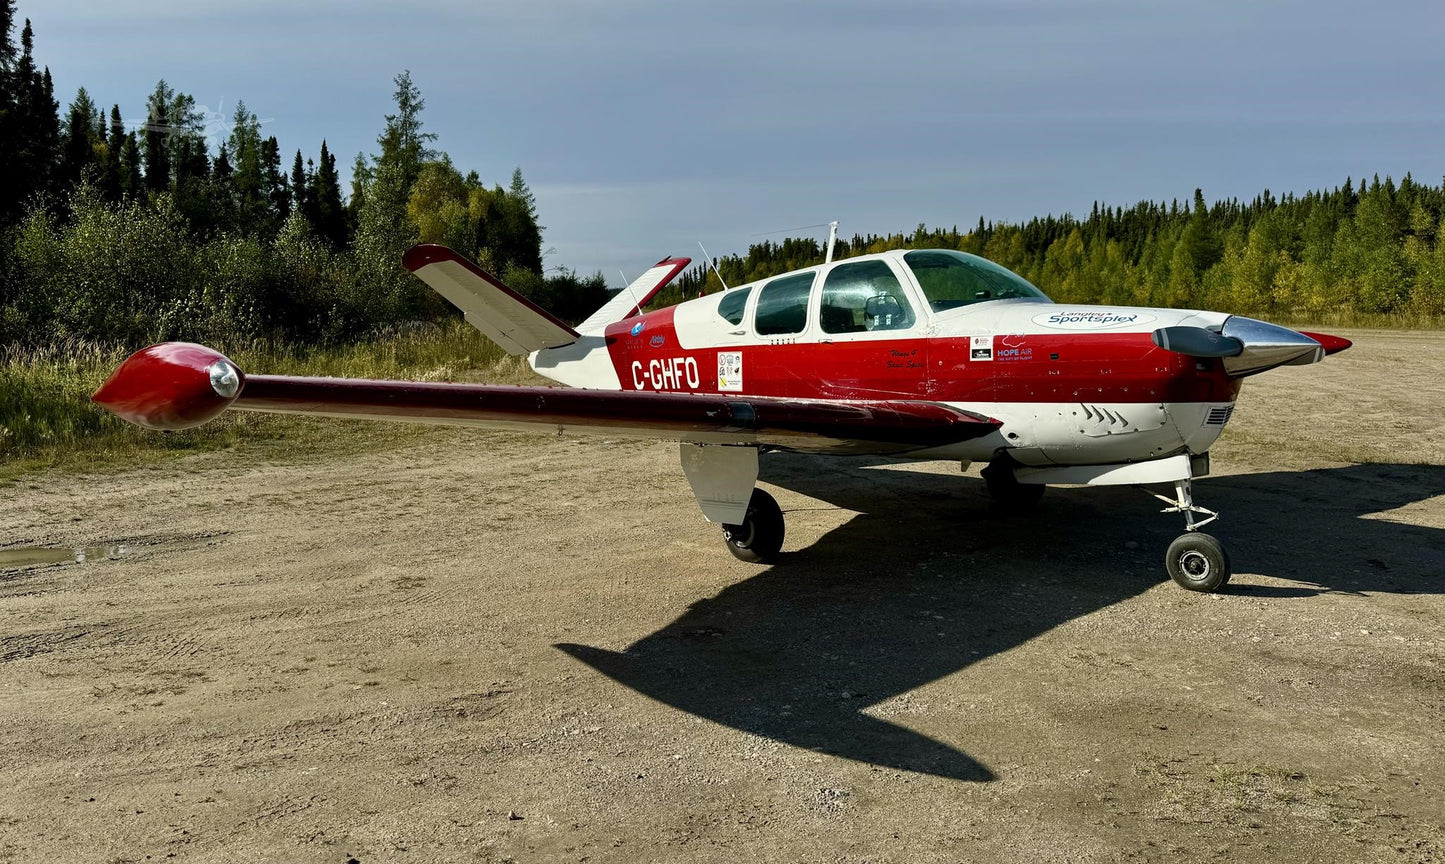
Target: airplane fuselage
{"points": [[1071, 384]]}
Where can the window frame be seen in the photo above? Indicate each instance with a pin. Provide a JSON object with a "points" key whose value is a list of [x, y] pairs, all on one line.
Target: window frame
{"points": [[906, 287], [922, 314], [810, 306], [749, 292]]}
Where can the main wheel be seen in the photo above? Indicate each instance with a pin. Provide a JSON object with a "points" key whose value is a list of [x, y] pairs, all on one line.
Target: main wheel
{"points": [[1198, 562], [760, 538], [1005, 489]]}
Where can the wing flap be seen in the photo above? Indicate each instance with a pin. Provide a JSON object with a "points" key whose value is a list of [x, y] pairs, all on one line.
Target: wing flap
{"points": [[855, 427], [504, 316]]}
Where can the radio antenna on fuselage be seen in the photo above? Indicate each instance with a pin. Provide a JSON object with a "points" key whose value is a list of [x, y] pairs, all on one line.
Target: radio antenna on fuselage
{"points": [[832, 235], [627, 286], [713, 264]]}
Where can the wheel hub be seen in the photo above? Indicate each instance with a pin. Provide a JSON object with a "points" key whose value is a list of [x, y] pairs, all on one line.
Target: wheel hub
{"points": [[739, 535], [1194, 564]]}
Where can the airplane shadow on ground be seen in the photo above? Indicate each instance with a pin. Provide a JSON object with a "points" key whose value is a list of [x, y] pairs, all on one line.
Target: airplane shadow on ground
{"points": [[926, 581]]}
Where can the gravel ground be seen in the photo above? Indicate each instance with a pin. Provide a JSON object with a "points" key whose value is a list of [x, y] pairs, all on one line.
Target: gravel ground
{"points": [[480, 647]]}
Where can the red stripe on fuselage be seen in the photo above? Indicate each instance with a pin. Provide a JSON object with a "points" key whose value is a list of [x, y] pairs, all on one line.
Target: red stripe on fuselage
{"points": [[1062, 367]]}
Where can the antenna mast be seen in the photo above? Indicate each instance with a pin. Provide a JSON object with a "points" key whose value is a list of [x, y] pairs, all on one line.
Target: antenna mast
{"points": [[627, 286], [832, 238], [713, 264]]}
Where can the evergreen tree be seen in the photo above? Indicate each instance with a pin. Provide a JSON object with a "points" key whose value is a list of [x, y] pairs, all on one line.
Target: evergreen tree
{"points": [[403, 143], [113, 171], [29, 121], [301, 192], [274, 186], [330, 212], [360, 177], [131, 182], [156, 143], [47, 130], [254, 215], [10, 191], [80, 147], [7, 36]]}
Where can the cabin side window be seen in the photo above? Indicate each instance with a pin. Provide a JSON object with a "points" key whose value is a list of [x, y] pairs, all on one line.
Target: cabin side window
{"points": [[783, 305], [863, 297], [732, 304]]}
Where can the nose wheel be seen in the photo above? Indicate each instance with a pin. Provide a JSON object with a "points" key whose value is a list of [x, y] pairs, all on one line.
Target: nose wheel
{"points": [[1196, 561], [759, 538]]}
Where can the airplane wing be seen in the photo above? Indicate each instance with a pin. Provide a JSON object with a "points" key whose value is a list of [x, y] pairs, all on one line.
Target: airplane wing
{"points": [[178, 385]]}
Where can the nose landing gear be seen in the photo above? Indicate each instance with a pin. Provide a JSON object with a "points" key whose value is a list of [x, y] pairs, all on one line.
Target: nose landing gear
{"points": [[1196, 561]]}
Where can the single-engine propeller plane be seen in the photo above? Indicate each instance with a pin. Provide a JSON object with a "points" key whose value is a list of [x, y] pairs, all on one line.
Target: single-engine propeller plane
{"points": [[924, 354]]}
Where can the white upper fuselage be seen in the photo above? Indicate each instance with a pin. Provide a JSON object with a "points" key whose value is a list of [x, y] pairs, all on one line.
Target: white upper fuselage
{"points": [[1072, 384]]}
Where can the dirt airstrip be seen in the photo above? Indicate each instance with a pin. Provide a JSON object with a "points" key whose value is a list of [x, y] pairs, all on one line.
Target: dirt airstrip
{"points": [[482, 647]]}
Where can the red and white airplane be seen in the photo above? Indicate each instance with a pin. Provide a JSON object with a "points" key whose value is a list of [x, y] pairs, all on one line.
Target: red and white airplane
{"points": [[925, 354]]}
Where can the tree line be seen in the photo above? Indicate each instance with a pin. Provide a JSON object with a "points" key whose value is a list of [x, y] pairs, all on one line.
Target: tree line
{"points": [[167, 228], [1358, 250], [131, 232]]}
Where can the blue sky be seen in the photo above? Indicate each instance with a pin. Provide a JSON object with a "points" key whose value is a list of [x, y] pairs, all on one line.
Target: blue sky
{"points": [[646, 126]]}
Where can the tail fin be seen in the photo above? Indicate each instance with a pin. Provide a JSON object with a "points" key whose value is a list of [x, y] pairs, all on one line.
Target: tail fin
{"points": [[506, 317], [630, 300]]}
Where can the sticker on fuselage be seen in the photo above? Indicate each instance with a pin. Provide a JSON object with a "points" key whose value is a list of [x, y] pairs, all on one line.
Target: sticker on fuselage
{"points": [[730, 371], [1091, 319], [1012, 347], [980, 347]]}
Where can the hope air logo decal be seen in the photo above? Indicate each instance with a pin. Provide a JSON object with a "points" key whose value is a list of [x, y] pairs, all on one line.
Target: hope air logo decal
{"points": [[670, 373], [730, 371], [1012, 347], [1097, 319]]}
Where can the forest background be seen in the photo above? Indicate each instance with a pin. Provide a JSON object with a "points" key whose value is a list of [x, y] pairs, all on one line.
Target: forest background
{"points": [[117, 234]]}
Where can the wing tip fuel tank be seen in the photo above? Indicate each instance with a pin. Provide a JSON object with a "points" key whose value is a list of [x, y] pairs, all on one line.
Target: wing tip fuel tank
{"points": [[171, 386]]}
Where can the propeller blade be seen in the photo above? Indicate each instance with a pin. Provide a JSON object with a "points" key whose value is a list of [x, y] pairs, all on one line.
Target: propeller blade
{"points": [[1197, 342]]}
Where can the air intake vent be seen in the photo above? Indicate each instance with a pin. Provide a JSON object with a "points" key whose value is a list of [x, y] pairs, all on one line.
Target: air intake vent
{"points": [[1219, 416]]}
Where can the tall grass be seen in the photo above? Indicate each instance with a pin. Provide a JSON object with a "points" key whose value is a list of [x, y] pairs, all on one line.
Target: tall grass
{"points": [[48, 420]]}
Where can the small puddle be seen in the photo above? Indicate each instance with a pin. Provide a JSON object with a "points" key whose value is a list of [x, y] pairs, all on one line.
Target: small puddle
{"points": [[25, 556]]}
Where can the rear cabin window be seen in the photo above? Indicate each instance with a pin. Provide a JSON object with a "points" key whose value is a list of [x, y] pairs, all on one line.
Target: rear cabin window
{"points": [[731, 305], [953, 279], [783, 305], [864, 297]]}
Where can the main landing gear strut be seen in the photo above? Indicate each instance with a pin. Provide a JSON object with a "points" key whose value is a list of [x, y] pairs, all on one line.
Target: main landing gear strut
{"points": [[1195, 560]]}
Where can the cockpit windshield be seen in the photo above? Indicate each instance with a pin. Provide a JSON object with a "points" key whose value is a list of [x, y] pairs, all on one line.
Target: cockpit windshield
{"points": [[953, 279]]}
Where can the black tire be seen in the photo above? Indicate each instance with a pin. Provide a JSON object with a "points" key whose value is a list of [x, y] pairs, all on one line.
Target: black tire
{"points": [[760, 538], [1007, 492], [1198, 562]]}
